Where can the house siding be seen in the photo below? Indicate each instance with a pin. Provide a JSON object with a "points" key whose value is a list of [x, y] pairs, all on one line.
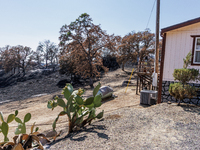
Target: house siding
{"points": [[178, 44]]}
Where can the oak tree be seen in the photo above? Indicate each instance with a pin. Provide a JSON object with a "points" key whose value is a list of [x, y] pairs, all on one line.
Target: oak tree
{"points": [[24, 57], [82, 43], [37, 57], [48, 50], [126, 50], [16, 57], [8, 58], [147, 45], [135, 47]]}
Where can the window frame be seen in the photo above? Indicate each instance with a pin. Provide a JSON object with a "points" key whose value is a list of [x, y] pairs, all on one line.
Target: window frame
{"points": [[195, 37]]}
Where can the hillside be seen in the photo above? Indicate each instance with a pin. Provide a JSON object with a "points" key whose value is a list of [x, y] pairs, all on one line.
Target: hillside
{"points": [[126, 124]]}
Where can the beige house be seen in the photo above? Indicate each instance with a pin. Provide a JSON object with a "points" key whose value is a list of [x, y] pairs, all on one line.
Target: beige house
{"points": [[178, 40]]}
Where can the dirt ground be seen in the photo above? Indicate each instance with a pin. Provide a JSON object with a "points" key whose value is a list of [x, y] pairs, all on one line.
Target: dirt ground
{"points": [[44, 117], [126, 124]]}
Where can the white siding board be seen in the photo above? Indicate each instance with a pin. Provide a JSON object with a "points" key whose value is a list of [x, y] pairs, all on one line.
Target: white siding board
{"points": [[167, 53], [172, 63], [181, 49], [168, 56], [177, 52]]}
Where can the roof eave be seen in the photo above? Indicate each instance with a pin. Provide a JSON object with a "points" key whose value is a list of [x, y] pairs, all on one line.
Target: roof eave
{"points": [[180, 25]]}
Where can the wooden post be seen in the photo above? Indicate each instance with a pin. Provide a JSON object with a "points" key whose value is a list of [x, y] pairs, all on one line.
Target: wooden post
{"points": [[137, 86], [140, 85], [142, 82]]}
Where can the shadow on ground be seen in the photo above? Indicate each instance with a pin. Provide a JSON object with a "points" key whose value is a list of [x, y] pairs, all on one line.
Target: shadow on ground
{"points": [[81, 135], [191, 108]]}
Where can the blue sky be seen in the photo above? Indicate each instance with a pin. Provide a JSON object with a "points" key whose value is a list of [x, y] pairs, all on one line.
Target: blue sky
{"points": [[27, 22]]}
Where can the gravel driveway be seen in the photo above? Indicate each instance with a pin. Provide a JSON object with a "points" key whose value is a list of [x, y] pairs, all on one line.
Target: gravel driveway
{"points": [[162, 126]]}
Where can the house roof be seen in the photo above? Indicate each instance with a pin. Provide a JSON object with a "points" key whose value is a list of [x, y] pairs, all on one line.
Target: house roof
{"points": [[180, 25]]}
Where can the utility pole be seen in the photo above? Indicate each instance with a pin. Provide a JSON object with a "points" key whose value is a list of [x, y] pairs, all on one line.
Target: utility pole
{"points": [[157, 43], [157, 35], [156, 58]]}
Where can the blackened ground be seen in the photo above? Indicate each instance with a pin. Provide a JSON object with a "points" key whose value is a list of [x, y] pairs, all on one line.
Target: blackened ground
{"points": [[19, 88], [41, 81]]}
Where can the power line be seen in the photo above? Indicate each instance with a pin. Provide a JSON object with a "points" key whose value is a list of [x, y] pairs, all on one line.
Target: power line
{"points": [[150, 14]]}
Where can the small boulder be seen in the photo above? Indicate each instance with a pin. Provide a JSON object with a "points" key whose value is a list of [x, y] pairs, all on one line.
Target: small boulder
{"points": [[62, 83]]}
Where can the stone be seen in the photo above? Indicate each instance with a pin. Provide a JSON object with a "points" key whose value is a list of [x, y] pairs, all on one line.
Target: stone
{"points": [[168, 102], [167, 83], [173, 99], [194, 101], [166, 88], [164, 100], [186, 100], [62, 83], [125, 83], [167, 93]]}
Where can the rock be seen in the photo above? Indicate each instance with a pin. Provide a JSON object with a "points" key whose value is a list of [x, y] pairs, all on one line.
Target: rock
{"points": [[51, 134], [62, 83], [125, 83], [168, 102]]}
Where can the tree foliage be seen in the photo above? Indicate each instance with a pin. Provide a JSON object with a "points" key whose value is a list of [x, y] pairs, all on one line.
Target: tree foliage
{"points": [[13, 57], [182, 89], [24, 57], [48, 50], [135, 46], [82, 43]]}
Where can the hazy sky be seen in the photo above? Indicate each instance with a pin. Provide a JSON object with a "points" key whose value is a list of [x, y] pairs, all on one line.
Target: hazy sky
{"points": [[26, 22]]}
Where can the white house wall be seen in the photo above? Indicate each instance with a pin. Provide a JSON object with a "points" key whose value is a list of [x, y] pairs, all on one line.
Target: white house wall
{"points": [[178, 43]]}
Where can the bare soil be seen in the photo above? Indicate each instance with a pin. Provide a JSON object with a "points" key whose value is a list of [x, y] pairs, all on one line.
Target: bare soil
{"points": [[126, 123], [44, 117]]}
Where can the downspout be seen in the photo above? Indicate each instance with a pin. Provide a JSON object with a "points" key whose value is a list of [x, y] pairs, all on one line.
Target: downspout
{"points": [[161, 67]]}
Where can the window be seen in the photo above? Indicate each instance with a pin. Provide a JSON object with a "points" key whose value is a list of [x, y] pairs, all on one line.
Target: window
{"points": [[196, 50]]}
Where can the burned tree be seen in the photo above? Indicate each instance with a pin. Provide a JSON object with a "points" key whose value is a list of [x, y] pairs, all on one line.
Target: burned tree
{"points": [[82, 43]]}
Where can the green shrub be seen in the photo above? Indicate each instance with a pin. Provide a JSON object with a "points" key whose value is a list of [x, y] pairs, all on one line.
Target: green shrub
{"points": [[182, 89], [185, 75], [79, 111]]}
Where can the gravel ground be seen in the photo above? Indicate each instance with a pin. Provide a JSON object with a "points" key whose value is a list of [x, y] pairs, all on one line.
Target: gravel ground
{"points": [[160, 126]]}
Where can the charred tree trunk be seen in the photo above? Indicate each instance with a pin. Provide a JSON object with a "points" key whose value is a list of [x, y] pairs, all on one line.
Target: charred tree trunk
{"points": [[23, 68], [122, 66], [91, 72], [91, 82], [46, 61]]}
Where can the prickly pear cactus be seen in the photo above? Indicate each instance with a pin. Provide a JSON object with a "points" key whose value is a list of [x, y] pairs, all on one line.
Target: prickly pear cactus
{"points": [[21, 129], [80, 111], [4, 127]]}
